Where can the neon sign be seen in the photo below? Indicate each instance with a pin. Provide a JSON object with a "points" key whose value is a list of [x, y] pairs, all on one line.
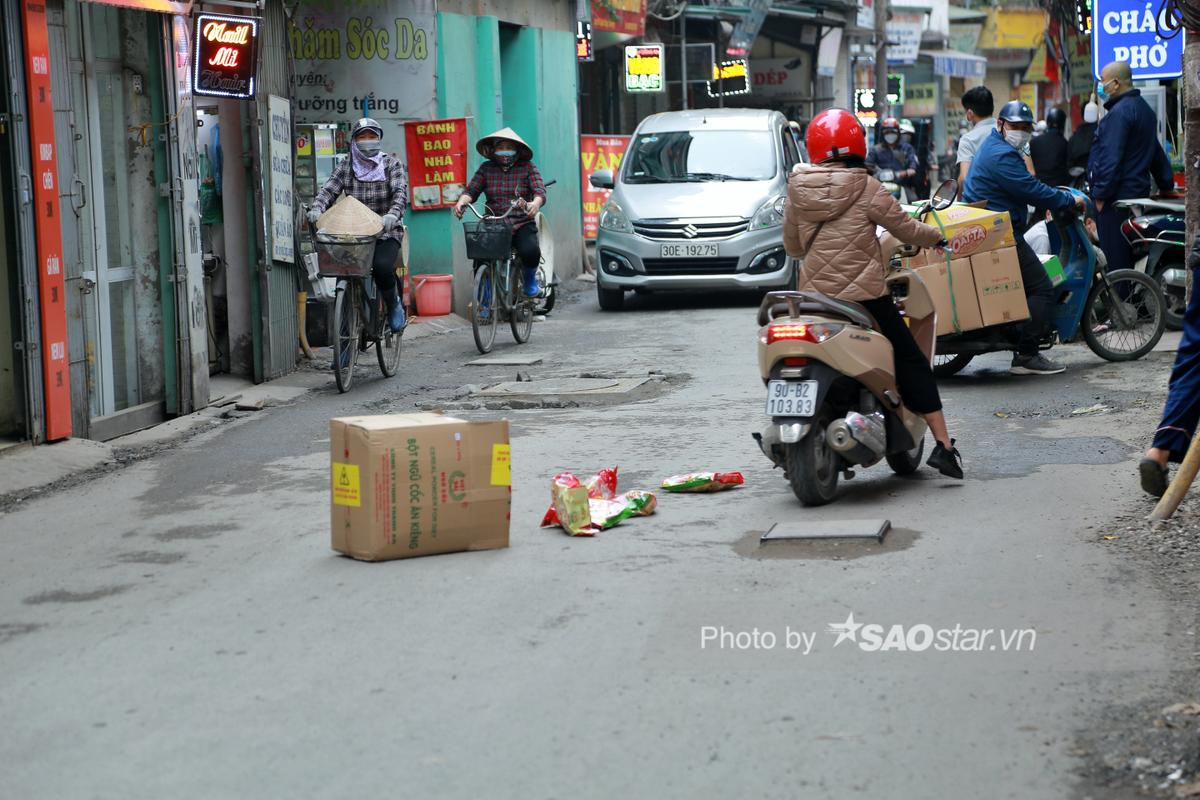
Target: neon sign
{"points": [[224, 63]]}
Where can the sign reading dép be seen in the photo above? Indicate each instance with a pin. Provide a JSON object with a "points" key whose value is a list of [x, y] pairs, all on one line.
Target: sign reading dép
{"points": [[224, 61]]}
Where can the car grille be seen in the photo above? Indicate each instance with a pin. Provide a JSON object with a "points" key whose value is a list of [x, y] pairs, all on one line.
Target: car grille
{"points": [[691, 230], [695, 266]]}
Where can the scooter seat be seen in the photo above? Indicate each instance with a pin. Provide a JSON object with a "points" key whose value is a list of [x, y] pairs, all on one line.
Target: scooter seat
{"points": [[846, 309]]}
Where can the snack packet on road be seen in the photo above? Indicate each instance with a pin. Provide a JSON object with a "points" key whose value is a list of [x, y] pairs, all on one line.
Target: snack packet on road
{"points": [[636, 503], [583, 507], [703, 482]]}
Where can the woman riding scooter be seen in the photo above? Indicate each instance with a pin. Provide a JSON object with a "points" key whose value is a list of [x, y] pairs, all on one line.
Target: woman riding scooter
{"points": [[832, 209]]}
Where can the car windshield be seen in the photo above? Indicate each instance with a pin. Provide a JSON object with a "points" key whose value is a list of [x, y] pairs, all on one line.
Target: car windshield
{"points": [[687, 156]]}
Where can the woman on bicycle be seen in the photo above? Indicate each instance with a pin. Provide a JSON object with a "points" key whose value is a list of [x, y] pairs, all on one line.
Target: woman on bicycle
{"points": [[832, 209], [379, 182], [509, 174]]}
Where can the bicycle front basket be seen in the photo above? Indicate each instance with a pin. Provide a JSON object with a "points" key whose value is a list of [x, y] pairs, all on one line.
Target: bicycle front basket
{"points": [[344, 256], [488, 239]]}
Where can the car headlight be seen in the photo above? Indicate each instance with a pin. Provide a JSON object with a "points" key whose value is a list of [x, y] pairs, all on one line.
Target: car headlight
{"points": [[770, 215], [612, 218]]}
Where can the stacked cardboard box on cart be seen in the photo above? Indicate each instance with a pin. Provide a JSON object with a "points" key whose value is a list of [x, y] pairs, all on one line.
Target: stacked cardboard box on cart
{"points": [[982, 284]]}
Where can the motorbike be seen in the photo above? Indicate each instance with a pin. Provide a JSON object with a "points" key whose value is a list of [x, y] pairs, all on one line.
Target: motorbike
{"points": [[831, 384], [1119, 314], [888, 178], [1157, 233]]}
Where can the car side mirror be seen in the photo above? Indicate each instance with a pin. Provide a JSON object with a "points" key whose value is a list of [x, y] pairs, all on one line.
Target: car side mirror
{"points": [[601, 179]]}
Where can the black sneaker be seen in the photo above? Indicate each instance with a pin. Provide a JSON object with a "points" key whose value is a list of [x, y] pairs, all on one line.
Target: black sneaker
{"points": [[1036, 364], [947, 462], [1153, 476]]}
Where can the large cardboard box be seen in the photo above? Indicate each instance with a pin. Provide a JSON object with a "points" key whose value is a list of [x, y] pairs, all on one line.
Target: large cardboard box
{"points": [[937, 281], [417, 484], [999, 286], [972, 230]]}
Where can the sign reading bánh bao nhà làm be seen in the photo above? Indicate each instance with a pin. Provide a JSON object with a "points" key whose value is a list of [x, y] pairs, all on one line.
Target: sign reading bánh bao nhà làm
{"points": [[644, 68], [597, 153], [437, 162], [224, 59]]}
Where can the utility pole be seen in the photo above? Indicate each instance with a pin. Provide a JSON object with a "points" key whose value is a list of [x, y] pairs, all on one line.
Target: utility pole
{"points": [[881, 73], [1191, 134]]}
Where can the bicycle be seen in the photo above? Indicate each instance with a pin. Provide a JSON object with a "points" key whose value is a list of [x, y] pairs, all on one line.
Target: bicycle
{"points": [[360, 317]]}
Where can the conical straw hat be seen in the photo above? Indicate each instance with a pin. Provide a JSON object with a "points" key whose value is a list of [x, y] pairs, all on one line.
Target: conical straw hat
{"points": [[484, 145], [349, 217]]}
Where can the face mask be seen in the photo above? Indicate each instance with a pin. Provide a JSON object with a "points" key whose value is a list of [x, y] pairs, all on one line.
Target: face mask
{"points": [[1102, 92], [368, 147], [1091, 113], [505, 156], [1018, 139], [891, 138]]}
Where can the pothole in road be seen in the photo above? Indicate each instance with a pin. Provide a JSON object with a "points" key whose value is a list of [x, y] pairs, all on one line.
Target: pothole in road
{"points": [[750, 546], [565, 391]]}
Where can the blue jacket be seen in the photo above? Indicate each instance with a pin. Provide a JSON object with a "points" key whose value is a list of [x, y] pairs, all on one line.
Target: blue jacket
{"points": [[901, 158], [998, 175], [1126, 152]]}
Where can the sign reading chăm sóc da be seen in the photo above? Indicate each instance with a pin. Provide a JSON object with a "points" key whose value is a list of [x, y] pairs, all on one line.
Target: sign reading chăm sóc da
{"points": [[224, 59]]}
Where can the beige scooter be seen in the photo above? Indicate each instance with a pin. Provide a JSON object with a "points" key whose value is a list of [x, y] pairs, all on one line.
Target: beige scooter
{"points": [[831, 382]]}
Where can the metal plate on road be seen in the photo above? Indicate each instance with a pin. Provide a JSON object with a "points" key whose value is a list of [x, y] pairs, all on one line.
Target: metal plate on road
{"points": [[791, 398], [829, 529], [689, 251], [505, 361]]}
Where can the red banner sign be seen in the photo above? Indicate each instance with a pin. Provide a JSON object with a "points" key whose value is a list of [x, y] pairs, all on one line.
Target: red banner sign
{"points": [[56, 376], [224, 57], [626, 17], [437, 162], [597, 153]]}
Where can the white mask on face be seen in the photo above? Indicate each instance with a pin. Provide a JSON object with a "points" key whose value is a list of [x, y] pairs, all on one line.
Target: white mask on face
{"points": [[1091, 112], [1017, 139], [891, 138]]}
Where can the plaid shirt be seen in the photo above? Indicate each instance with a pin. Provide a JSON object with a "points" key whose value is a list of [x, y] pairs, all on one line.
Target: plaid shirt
{"points": [[382, 197], [502, 186]]}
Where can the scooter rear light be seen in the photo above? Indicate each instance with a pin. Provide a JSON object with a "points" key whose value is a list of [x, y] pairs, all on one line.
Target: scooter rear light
{"points": [[795, 362], [802, 332]]}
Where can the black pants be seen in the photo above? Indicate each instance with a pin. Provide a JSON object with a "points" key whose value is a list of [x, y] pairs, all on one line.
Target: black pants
{"points": [[914, 376], [1116, 247], [383, 268], [525, 240], [1039, 294]]}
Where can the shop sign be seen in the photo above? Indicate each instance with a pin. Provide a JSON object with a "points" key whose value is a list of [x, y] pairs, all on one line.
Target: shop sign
{"points": [[597, 153], [904, 37], [384, 50], [437, 162], [626, 17], [920, 100], [56, 383], [583, 41], [1027, 93], [1123, 30], [225, 56], [1079, 63], [283, 212], [776, 79], [730, 77], [644, 68]]}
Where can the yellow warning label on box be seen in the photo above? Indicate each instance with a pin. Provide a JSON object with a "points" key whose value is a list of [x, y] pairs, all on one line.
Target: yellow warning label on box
{"points": [[501, 465], [346, 489]]}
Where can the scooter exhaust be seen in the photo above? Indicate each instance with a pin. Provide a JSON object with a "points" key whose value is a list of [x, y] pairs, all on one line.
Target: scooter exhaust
{"points": [[1175, 278], [861, 438]]}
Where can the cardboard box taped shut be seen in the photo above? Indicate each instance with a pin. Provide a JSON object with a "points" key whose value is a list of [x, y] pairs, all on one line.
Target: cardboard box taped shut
{"points": [[407, 485]]}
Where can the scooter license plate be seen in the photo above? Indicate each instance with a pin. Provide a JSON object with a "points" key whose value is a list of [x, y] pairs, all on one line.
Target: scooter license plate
{"points": [[791, 398]]}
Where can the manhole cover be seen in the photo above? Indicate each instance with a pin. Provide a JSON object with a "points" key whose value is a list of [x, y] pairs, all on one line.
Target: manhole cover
{"points": [[563, 386], [829, 529]]}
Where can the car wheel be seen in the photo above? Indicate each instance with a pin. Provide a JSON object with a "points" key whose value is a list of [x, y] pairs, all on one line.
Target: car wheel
{"points": [[610, 299]]}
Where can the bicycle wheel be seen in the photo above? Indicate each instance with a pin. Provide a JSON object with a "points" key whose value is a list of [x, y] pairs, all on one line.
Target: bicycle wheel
{"points": [[483, 308], [387, 347], [347, 327], [521, 317], [1124, 316]]}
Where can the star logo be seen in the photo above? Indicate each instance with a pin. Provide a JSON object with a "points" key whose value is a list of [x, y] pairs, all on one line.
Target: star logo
{"points": [[845, 630]]}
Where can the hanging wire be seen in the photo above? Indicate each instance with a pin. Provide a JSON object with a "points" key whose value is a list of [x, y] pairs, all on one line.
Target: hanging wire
{"points": [[1174, 16]]}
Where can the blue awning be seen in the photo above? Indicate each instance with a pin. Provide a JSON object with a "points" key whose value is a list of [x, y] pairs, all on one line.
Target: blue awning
{"points": [[954, 64]]}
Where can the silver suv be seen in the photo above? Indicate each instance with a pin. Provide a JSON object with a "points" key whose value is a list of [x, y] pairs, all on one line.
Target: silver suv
{"points": [[698, 205]]}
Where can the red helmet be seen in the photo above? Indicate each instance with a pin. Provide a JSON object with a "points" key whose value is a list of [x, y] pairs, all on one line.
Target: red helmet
{"points": [[834, 133], [891, 123]]}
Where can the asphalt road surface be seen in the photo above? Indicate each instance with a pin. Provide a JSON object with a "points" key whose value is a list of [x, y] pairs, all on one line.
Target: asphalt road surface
{"points": [[179, 627]]}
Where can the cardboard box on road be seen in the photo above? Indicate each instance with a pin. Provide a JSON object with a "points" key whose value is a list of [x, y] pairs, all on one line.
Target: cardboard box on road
{"points": [[937, 281], [418, 484], [999, 286]]}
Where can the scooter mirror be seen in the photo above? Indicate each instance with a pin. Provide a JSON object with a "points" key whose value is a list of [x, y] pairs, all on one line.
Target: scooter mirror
{"points": [[944, 196]]}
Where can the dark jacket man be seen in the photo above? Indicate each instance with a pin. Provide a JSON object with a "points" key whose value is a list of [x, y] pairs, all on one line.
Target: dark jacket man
{"points": [[1126, 151]]}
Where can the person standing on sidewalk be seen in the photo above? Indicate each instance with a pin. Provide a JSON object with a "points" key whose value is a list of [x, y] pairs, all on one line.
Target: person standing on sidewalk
{"points": [[1124, 157], [1181, 413], [998, 177]]}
